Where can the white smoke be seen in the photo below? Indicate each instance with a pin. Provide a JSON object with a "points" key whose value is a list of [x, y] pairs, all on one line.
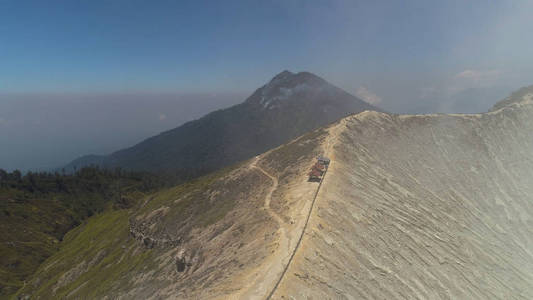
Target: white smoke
{"points": [[364, 93]]}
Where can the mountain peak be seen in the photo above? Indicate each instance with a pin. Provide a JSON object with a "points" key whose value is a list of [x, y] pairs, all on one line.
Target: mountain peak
{"points": [[287, 85], [287, 78], [282, 76], [287, 106]]}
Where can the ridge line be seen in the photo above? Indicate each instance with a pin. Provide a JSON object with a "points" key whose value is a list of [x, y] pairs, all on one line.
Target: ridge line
{"points": [[299, 239]]}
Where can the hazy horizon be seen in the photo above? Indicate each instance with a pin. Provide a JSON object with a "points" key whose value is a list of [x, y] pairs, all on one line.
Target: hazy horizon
{"points": [[44, 132], [47, 131], [95, 77]]}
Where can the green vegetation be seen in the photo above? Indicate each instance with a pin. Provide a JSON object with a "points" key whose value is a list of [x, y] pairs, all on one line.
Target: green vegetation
{"points": [[100, 257], [93, 256], [38, 209]]}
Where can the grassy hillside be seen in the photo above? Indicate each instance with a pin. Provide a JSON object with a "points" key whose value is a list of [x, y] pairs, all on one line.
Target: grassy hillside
{"points": [[171, 242], [91, 248], [38, 209], [100, 254]]}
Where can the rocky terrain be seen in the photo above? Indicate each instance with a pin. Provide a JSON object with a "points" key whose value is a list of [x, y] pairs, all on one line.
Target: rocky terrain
{"points": [[417, 207], [423, 207]]}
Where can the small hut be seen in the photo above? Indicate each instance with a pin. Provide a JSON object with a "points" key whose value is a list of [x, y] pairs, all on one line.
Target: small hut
{"points": [[319, 168], [323, 160], [315, 175]]}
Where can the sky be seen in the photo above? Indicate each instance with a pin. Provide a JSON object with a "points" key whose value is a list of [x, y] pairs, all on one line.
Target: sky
{"points": [[123, 64]]}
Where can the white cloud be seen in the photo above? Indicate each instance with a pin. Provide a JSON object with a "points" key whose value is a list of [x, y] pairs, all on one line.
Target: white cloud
{"points": [[364, 93], [162, 117], [478, 76], [473, 79], [2, 121]]}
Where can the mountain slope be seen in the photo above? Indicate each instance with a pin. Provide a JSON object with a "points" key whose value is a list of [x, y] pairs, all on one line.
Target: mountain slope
{"points": [[38, 209], [425, 207], [208, 238], [428, 206], [288, 106]]}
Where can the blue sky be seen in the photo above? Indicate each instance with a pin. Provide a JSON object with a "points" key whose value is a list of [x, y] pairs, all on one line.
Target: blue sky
{"points": [[198, 46], [405, 56]]}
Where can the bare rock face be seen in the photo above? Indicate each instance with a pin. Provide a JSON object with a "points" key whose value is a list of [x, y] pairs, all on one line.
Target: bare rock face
{"points": [[423, 207], [522, 95]]}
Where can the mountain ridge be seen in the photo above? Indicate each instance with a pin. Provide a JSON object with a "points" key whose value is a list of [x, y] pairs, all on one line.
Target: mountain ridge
{"points": [[289, 105], [522, 95]]}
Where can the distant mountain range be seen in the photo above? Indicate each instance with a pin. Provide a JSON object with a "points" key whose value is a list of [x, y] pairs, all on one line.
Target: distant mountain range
{"points": [[286, 107]]}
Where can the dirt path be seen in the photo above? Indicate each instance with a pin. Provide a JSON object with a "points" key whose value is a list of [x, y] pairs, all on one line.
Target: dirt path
{"points": [[268, 197], [266, 277], [331, 140], [269, 275]]}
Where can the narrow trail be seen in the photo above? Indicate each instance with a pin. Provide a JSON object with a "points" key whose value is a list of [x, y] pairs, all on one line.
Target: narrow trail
{"points": [[328, 147], [268, 197], [266, 277]]}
